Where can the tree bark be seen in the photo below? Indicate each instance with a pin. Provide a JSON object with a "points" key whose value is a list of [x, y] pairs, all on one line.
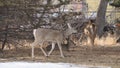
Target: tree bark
{"points": [[101, 17]]}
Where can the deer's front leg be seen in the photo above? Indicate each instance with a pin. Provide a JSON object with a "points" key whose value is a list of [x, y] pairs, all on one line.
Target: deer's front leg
{"points": [[53, 46], [60, 48], [41, 47]]}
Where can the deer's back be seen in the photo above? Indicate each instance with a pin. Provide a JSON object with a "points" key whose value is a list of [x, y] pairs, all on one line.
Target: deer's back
{"points": [[42, 34]]}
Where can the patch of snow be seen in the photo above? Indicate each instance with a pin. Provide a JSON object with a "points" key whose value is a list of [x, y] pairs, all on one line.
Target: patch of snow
{"points": [[43, 65]]}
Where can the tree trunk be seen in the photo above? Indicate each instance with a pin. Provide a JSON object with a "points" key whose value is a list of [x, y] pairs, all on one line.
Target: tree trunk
{"points": [[101, 17]]}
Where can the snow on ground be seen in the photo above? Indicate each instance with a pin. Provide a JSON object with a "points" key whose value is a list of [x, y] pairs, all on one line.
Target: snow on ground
{"points": [[43, 65]]}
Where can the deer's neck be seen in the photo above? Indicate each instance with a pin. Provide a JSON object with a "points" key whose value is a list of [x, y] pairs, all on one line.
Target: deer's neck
{"points": [[66, 34]]}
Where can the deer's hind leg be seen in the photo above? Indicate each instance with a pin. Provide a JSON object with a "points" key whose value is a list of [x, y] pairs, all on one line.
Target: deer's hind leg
{"points": [[32, 46]]}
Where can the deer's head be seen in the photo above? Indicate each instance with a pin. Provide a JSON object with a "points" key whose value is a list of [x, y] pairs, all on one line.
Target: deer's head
{"points": [[70, 30]]}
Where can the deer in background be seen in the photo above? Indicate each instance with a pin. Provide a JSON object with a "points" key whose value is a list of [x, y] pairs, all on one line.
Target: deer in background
{"points": [[90, 31], [42, 35]]}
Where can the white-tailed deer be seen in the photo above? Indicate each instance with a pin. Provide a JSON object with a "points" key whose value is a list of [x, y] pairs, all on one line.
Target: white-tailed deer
{"points": [[42, 35], [90, 32]]}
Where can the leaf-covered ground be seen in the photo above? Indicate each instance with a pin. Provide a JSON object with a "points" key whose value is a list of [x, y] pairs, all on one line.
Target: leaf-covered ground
{"points": [[84, 55]]}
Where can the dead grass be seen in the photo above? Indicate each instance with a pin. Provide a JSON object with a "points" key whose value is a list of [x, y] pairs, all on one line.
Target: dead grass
{"points": [[106, 41], [106, 53]]}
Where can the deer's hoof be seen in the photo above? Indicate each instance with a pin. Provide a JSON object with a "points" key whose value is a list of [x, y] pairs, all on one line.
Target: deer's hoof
{"points": [[62, 56]]}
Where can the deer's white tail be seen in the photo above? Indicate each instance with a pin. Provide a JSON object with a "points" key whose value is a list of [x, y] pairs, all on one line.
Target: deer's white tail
{"points": [[34, 31]]}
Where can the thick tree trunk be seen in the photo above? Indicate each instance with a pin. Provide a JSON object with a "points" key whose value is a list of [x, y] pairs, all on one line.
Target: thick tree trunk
{"points": [[101, 17]]}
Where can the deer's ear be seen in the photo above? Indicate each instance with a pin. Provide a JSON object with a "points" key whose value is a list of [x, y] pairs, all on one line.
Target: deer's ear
{"points": [[69, 26]]}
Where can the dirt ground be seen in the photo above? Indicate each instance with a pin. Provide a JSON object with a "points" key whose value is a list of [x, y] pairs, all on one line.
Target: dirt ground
{"points": [[85, 55]]}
